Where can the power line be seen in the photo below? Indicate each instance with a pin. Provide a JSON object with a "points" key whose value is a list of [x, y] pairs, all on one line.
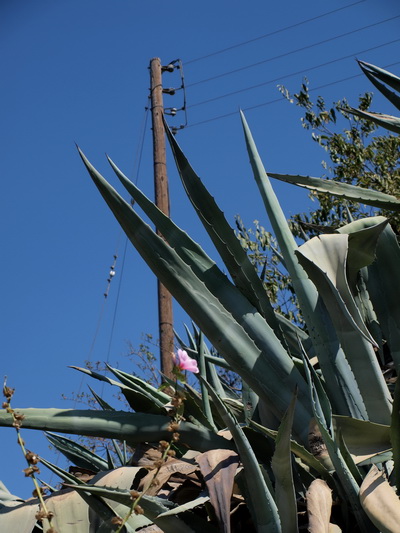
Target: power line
{"points": [[262, 104], [274, 32], [240, 69], [291, 74]]}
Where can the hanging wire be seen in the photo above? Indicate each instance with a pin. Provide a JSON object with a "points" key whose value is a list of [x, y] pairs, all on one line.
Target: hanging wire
{"points": [[112, 272], [297, 24], [139, 154], [315, 67], [286, 54], [276, 100]]}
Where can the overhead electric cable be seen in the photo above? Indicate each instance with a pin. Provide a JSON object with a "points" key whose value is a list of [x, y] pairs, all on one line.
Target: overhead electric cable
{"points": [[138, 158], [274, 32], [286, 54], [292, 74], [138, 161], [277, 100]]}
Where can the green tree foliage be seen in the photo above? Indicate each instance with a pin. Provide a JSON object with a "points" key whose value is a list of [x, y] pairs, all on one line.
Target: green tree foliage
{"points": [[358, 153]]}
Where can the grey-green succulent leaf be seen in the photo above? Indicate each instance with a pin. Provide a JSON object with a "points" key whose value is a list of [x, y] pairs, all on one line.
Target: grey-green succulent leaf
{"points": [[155, 509], [374, 74], [385, 121], [382, 280], [323, 418], [137, 398], [343, 190], [380, 501], [263, 507], [339, 378], [325, 260], [131, 427], [103, 404], [236, 330], [285, 495], [395, 432], [76, 453]]}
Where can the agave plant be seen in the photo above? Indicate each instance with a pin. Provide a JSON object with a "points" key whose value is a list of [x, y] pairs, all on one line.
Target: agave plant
{"points": [[315, 422]]}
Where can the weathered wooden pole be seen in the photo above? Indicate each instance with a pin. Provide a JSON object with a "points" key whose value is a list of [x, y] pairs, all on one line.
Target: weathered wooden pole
{"points": [[165, 316]]}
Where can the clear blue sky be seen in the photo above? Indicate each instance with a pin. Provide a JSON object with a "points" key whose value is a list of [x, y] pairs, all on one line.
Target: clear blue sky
{"points": [[77, 71]]}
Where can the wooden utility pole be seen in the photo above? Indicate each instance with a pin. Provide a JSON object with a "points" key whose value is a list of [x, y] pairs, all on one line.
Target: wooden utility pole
{"points": [[165, 319]]}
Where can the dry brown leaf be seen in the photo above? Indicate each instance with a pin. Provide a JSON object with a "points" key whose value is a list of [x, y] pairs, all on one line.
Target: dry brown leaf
{"points": [[219, 468], [380, 502], [319, 506], [169, 469], [317, 445]]}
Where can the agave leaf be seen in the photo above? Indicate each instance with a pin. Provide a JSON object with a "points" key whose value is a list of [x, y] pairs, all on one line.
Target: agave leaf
{"points": [[374, 74], [103, 404], [300, 451], [219, 468], [263, 507], [19, 516], [343, 190], [136, 399], [70, 512], [123, 478], [383, 285], [193, 407], [395, 432], [267, 366], [373, 459], [79, 516], [132, 427], [250, 401], [141, 385], [380, 502], [153, 507], [363, 438], [213, 377], [339, 379], [226, 242], [348, 458], [110, 460], [384, 75], [63, 474], [235, 258], [362, 244], [100, 509], [242, 270], [7, 497], [285, 495], [323, 418], [77, 454], [325, 260], [121, 454], [170, 468], [319, 506], [218, 361], [292, 335], [385, 121], [203, 373], [383, 281], [152, 401]]}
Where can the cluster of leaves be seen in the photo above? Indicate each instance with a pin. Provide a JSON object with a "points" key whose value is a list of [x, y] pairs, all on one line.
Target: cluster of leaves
{"points": [[315, 409], [358, 155], [262, 250]]}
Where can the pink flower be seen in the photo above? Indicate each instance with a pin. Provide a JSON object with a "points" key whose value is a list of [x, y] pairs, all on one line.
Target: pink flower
{"points": [[184, 362]]}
